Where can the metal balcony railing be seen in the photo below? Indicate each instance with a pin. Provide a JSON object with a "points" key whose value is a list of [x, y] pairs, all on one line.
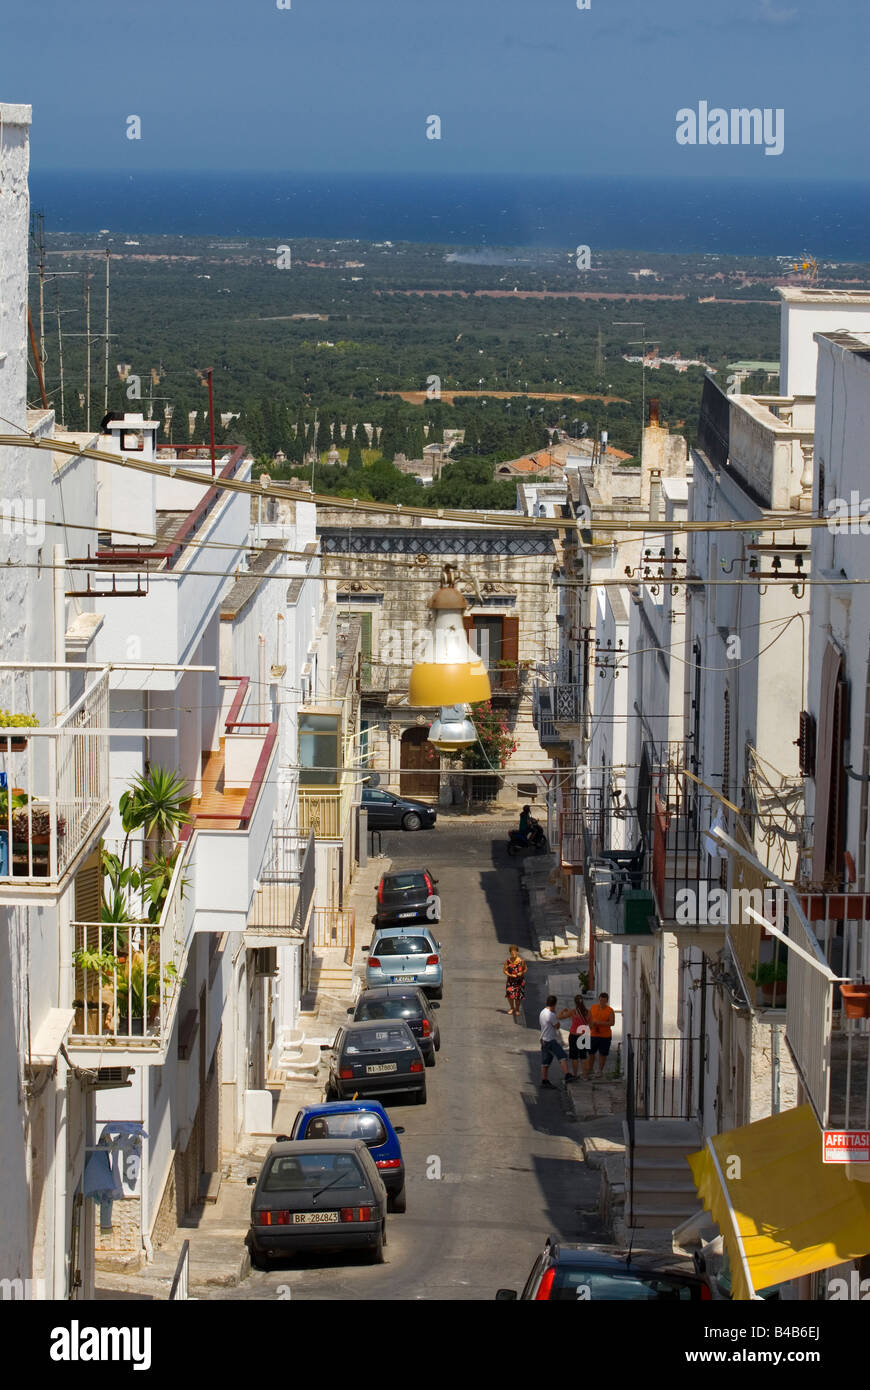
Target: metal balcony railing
{"points": [[283, 900], [54, 789], [127, 976]]}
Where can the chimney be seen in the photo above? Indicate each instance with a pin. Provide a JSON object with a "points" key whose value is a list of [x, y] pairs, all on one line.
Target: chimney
{"points": [[654, 410]]}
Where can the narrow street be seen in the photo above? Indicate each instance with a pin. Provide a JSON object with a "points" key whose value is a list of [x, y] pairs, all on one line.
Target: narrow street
{"points": [[508, 1151]]}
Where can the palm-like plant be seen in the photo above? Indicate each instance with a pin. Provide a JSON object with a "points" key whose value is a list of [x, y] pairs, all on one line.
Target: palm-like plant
{"points": [[155, 804]]}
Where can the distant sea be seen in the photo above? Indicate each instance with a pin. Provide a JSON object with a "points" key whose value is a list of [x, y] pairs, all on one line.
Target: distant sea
{"points": [[831, 220]]}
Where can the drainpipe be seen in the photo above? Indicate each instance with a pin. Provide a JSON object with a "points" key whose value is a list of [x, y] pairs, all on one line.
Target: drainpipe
{"points": [[775, 1072], [261, 652]]}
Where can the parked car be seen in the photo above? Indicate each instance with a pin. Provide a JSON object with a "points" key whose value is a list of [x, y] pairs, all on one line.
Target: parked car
{"points": [[371, 1059], [408, 1003], [582, 1273], [405, 956], [317, 1195], [386, 811], [360, 1119], [407, 895]]}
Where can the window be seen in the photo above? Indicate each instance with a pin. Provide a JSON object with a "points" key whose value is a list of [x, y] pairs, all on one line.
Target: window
{"points": [[496, 641], [319, 751], [393, 1037], [357, 1125], [389, 1008], [309, 1173], [616, 1286], [365, 740], [402, 946]]}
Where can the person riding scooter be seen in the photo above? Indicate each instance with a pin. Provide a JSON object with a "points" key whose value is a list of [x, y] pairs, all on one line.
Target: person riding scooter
{"points": [[527, 825], [528, 834]]}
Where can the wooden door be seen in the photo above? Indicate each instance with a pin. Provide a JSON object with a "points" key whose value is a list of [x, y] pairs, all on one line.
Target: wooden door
{"points": [[419, 772]]}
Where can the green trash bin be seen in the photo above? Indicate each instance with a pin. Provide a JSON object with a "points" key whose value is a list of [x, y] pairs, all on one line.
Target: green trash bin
{"points": [[639, 906]]}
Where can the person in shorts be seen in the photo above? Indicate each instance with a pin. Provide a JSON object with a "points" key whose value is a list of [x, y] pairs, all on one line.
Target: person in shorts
{"points": [[551, 1043], [601, 1021], [578, 1036]]}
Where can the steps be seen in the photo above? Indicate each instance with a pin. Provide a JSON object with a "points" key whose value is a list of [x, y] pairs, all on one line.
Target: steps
{"points": [[330, 973], [664, 1192]]}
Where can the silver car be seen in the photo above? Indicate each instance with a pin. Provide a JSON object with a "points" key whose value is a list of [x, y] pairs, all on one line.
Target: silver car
{"points": [[405, 956]]}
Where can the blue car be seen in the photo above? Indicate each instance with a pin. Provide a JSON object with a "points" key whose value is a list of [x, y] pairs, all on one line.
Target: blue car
{"points": [[360, 1119]]}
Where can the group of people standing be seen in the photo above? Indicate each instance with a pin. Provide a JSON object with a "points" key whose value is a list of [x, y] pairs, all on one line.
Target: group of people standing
{"points": [[589, 1035]]}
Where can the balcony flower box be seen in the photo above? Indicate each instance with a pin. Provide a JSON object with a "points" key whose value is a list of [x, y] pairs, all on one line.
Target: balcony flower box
{"points": [[8, 721], [856, 1000], [34, 823]]}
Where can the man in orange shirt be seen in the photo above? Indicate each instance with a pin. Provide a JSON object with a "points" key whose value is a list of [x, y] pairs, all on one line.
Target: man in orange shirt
{"points": [[601, 1021]]}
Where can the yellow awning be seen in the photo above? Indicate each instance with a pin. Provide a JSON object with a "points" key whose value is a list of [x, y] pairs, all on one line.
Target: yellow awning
{"points": [[782, 1212]]}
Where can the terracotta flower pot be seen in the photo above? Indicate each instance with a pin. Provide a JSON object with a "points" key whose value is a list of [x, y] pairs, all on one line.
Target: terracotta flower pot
{"points": [[856, 1000]]}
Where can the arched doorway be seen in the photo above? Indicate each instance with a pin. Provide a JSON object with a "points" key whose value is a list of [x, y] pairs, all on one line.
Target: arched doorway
{"points": [[419, 771]]}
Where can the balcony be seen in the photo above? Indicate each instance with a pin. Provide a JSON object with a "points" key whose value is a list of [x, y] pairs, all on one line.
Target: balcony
{"points": [[615, 869], [232, 819], [557, 713], [324, 811], [284, 893], [54, 790], [831, 1051], [126, 982], [674, 815]]}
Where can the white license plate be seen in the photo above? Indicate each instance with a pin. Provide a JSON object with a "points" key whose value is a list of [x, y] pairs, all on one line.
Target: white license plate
{"points": [[407, 914], [382, 1066], [315, 1218], [404, 979]]}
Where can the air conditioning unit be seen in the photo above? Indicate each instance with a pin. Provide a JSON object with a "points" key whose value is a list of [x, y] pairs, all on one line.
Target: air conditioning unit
{"points": [[112, 1079]]}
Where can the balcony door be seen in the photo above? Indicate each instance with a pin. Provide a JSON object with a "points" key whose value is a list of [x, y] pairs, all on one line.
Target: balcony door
{"points": [[419, 772]]}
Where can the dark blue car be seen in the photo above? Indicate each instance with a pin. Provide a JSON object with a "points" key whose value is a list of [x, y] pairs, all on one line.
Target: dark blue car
{"points": [[360, 1119]]}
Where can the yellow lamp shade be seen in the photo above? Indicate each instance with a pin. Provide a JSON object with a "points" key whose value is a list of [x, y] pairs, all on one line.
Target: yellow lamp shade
{"points": [[450, 672]]}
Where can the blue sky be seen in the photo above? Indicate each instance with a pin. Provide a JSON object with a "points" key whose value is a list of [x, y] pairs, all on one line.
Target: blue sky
{"points": [[526, 86]]}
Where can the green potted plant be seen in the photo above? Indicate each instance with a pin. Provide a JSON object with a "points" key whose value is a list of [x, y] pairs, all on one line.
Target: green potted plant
{"points": [[8, 720], [33, 822], [140, 989], [95, 992], [768, 976]]}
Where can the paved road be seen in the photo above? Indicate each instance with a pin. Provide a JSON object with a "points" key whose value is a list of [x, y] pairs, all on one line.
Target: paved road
{"points": [[506, 1150]]}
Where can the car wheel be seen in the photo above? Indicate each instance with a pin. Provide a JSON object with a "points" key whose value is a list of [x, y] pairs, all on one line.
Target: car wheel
{"points": [[330, 1094], [421, 1096], [378, 1252], [398, 1202], [429, 1058], [438, 1044], [411, 821], [437, 994], [258, 1261]]}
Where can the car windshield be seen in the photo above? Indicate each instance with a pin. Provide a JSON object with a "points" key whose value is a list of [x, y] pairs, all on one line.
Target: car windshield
{"points": [[310, 1172], [403, 883], [386, 1039], [353, 1125], [389, 1008], [618, 1286], [402, 946]]}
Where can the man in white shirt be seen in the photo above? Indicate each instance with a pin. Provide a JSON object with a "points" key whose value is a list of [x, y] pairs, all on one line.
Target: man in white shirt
{"points": [[551, 1045]]}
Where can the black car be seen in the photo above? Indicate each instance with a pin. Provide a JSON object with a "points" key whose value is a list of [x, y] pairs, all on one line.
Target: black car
{"points": [[407, 895], [386, 811], [406, 1003], [376, 1059], [582, 1274], [314, 1195]]}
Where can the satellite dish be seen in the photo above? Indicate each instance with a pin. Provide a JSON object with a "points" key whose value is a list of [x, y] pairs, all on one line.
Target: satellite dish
{"points": [[373, 779]]}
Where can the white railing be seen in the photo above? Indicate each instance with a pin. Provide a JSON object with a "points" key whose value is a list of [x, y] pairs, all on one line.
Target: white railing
{"points": [[61, 773], [831, 1050], [282, 903], [127, 976], [809, 1016]]}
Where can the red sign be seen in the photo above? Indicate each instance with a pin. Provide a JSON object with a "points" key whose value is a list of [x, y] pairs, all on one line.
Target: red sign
{"points": [[548, 778], [846, 1146]]}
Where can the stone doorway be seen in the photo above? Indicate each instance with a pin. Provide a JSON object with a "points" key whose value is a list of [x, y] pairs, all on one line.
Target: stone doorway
{"points": [[420, 776]]}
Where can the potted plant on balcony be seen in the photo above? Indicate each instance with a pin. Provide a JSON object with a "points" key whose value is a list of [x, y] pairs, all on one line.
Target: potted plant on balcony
{"points": [[769, 975], [140, 987], [95, 992], [33, 822], [856, 1000], [8, 720]]}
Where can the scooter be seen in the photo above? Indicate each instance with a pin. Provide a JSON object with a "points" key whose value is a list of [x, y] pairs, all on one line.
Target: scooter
{"points": [[536, 840]]}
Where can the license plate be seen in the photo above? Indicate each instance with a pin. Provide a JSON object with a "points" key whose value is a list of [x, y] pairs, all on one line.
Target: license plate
{"points": [[407, 914], [405, 979], [382, 1066], [315, 1218]]}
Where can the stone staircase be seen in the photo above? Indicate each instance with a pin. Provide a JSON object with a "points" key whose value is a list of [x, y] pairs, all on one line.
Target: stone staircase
{"points": [[548, 911], [664, 1192], [330, 973]]}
